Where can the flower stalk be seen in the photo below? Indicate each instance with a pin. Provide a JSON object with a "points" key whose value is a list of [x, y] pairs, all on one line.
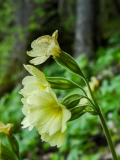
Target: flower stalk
{"points": [[108, 136], [102, 119]]}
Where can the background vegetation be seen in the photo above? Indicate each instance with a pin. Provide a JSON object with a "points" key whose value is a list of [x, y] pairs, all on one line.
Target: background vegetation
{"points": [[87, 30]]}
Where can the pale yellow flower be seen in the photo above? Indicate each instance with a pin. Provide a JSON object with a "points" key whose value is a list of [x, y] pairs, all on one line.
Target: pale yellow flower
{"points": [[43, 47], [34, 82], [43, 111], [5, 128]]}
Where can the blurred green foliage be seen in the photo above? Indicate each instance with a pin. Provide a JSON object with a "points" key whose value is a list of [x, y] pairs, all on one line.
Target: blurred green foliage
{"points": [[6, 38]]}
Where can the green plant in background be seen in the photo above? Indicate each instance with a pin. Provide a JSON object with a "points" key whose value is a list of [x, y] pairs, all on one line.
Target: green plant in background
{"points": [[6, 34]]}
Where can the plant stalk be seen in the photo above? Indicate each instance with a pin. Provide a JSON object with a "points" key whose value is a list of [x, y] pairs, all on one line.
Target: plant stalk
{"points": [[108, 136], [103, 122]]}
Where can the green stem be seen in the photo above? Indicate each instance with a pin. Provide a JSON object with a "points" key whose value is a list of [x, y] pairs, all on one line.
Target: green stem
{"points": [[81, 88], [94, 101], [108, 136], [93, 106], [105, 128]]}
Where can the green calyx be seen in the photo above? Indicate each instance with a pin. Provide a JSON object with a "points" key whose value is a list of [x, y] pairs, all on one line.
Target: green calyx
{"points": [[71, 101], [13, 144], [78, 112], [68, 62], [61, 83], [6, 153]]}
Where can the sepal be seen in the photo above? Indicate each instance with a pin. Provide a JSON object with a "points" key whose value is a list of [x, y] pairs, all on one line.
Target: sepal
{"points": [[61, 83], [71, 101], [13, 143], [6, 153], [68, 62], [94, 113], [77, 112]]}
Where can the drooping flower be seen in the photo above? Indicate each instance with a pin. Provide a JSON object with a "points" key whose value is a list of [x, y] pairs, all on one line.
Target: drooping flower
{"points": [[43, 47], [42, 109], [5, 128], [34, 82]]}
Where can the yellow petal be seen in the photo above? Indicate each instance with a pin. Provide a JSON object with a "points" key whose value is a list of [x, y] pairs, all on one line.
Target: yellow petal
{"points": [[5, 128], [26, 124], [38, 116], [56, 139], [56, 123], [45, 125], [27, 90], [28, 80], [36, 73], [39, 60], [41, 97], [48, 89], [42, 41], [37, 52], [66, 114], [55, 34]]}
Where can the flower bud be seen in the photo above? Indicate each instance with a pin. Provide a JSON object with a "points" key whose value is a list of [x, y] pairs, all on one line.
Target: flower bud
{"points": [[94, 113], [77, 112], [61, 83], [71, 101], [68, 62]]}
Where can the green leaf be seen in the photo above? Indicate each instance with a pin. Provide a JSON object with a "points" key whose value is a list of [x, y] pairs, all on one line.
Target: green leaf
{"points": [[61, 83], [68, 62]]}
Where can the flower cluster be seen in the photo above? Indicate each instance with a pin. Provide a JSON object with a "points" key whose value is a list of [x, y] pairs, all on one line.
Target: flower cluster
{"points": [[42, 109]]}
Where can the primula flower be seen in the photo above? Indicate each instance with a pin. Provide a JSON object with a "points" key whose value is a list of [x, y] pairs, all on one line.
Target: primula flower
{"points": [[5, 128], [42, 109], [43, 47], [34, 82]]}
